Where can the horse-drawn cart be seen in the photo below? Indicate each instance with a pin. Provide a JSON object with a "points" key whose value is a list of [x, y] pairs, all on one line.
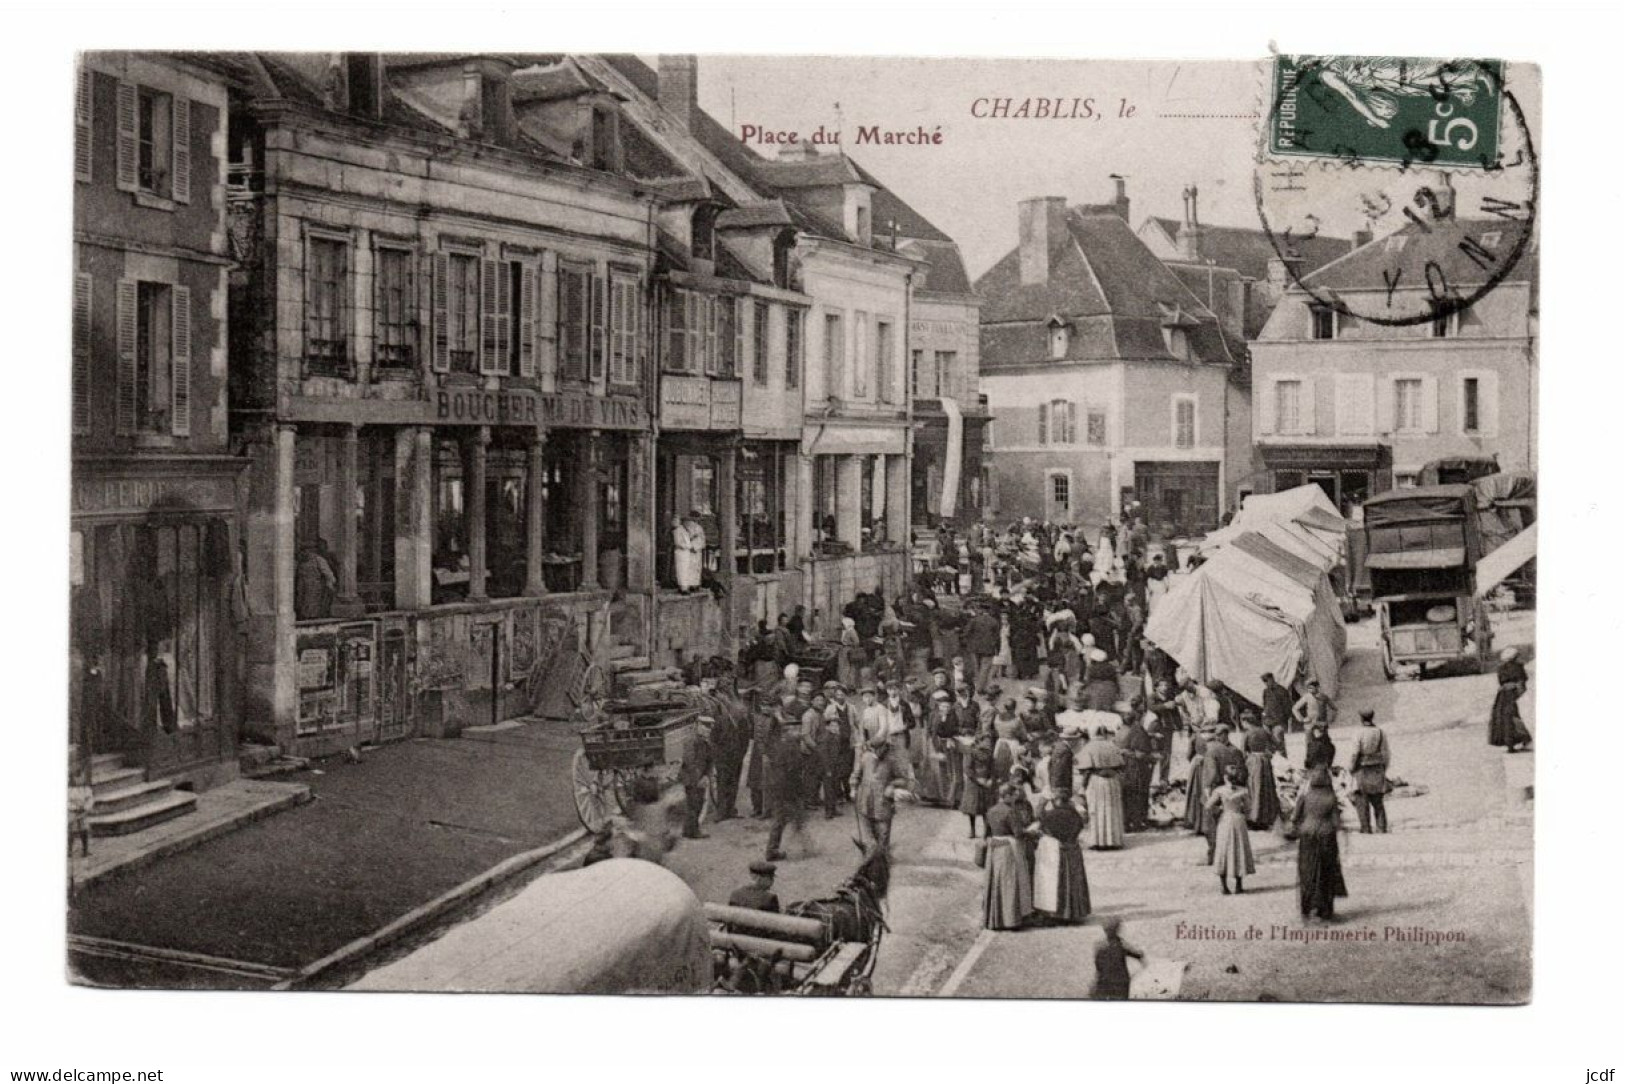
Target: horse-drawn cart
{"points": [[625, 741]]}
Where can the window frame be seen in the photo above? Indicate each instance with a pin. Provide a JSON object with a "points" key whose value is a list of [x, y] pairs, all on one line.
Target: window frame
{"points": [[336, 357], [1281, 425], [1400, 426], [1316, 313], [1178, 401], [412, 321], [795, 346], [834, 354], [463, 321]]}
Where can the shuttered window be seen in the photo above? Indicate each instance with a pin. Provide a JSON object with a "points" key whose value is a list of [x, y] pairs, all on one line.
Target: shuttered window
{"points": [[623, 334], [154, 142], [153, 392], [792, 347], [84, 108], [81, 353], [598, 289], [463, 312], [860, 357], [496, 316], [1184, 422], [762, 342], [834, 356], [884, 345], [727, 337], [574, 307], [677, 354], [527, 319]]}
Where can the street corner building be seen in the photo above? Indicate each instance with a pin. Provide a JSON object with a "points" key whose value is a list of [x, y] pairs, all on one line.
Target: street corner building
{"points": [[401, 381], [1112, 380]]}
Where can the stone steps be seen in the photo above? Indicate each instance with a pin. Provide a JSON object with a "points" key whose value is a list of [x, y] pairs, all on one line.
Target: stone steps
{"points": [[113, 778], [174, 803], [127, 797]]}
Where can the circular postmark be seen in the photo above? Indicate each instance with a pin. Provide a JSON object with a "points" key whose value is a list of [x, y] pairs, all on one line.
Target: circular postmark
{"points": [[1434, 157]]}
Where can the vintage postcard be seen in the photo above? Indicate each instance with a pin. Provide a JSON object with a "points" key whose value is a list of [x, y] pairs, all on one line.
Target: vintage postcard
{"points": [[571, 523]]}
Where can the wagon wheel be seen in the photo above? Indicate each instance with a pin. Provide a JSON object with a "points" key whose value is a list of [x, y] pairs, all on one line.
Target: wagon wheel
{"points": [[597, 794], [596, 683]]}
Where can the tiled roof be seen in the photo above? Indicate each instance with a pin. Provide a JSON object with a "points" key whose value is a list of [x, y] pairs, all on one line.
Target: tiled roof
{"points": [[825, 171], [768, 213], [551, 84], [1250, 251], [944, 269], [1114, 292], [1405, 255]]}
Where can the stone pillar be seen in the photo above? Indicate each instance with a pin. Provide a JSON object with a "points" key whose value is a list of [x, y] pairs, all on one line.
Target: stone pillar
{"points": [[587, 503], [640, 524], [849, 500], [728, 513], [878, 497], [798, 495], [535, 516], [414, 517], [897, 499], [285, 673], [474, 510], [348, 602]]}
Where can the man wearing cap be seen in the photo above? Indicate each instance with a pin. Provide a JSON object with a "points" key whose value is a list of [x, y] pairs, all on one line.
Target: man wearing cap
{"points": [[1314, 708], [875, 788], [698, 763], [1369, 764], [759, 894]]}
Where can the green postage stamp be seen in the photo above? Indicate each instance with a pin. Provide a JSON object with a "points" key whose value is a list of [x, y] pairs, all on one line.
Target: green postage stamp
{"points": [[1409, 110]]}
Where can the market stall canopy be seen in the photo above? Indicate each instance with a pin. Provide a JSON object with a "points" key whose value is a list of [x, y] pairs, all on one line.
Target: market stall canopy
{"points": [[617, 927], [1314, 546], [1305, 508], [1253, 608]]}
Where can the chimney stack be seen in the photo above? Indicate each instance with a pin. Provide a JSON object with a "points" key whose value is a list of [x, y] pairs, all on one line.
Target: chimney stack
{"points": [[1362, 237], [1120, 195], [679, 86], [1042, 221], [1190, 232]]}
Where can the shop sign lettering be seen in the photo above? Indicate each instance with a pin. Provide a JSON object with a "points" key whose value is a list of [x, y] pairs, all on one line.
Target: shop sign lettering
{"points": [[93, 495]]}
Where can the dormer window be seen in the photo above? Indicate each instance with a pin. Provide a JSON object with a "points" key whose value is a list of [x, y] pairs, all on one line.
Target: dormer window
{"points": [[606, 139], [702, 236], [363, 83], [783, 244], [1060, 339], [864, 230], [1177, 341], [1322, 322]]}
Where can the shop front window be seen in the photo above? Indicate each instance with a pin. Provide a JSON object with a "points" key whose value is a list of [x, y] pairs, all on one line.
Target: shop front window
{"points": [[760, 546], [449, 564]]}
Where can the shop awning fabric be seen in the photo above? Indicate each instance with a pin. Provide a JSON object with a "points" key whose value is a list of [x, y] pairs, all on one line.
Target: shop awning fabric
{"points": [[1262, 603]]}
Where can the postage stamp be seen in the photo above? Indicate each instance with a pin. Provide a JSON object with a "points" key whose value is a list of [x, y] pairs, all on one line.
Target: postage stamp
{"points": [[1410, 110], [1435, 156]]}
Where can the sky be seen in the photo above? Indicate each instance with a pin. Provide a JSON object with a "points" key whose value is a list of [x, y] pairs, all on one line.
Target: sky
{"points": [[1193, 122]]}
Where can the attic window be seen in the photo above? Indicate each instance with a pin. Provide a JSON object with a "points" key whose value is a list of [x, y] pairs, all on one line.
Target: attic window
{"points": [[362, 83], [783, 243], [702, 242], [1060, 340], [1177, 341], [864, 233], [606, 141], [496, 109]]}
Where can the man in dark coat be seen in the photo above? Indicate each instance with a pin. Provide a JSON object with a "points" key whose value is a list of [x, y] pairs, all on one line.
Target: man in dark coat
{"points": [[729, 739], [981, 643], [786, 780], [699, 760], [1277, 705], [1139, 749]]}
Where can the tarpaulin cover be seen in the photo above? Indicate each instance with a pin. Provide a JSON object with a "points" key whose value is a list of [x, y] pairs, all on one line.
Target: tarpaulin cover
{"points": [[1252, 608], [1419, 505], [1506, 505], [1306, 506], [620, 926]]}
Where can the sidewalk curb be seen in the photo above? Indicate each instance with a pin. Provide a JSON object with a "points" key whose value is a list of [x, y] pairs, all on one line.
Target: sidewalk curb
{"points": [[420, 917], [143, 859]]}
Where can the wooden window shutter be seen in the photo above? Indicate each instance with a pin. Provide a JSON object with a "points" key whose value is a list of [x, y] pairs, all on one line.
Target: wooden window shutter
{"points": [[741, 334], [1489, 404], [1265, 405], [129, 153], [488, 316], [1430, 404], [1043, 423], [599, 287], [180, 382], [1388, 392], [84, 106], [676, 331], [547, 315], [1306, 407], [180, 141], [504, 357], [125, 394], [81, 353], [708, 324], [640, 348], [440, 314], [527, 318]]}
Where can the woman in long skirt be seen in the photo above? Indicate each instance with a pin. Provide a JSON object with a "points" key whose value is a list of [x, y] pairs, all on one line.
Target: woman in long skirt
{"points": [[1263, 802], [1233, 850], [1320, 868], [1060, 885], [1506, 724], [1000, 670], [1101, 763], [1007, 899], [850, 659], [976, 797]]}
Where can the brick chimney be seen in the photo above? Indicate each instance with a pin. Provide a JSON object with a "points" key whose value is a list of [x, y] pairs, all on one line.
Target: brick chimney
{"points": [[1042, 221], [1120, 195], [1190, 231], [1362, 237], [679, 86]]}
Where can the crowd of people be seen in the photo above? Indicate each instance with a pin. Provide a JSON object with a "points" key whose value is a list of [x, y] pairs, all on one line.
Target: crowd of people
{"points": [[1014, 684]]}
